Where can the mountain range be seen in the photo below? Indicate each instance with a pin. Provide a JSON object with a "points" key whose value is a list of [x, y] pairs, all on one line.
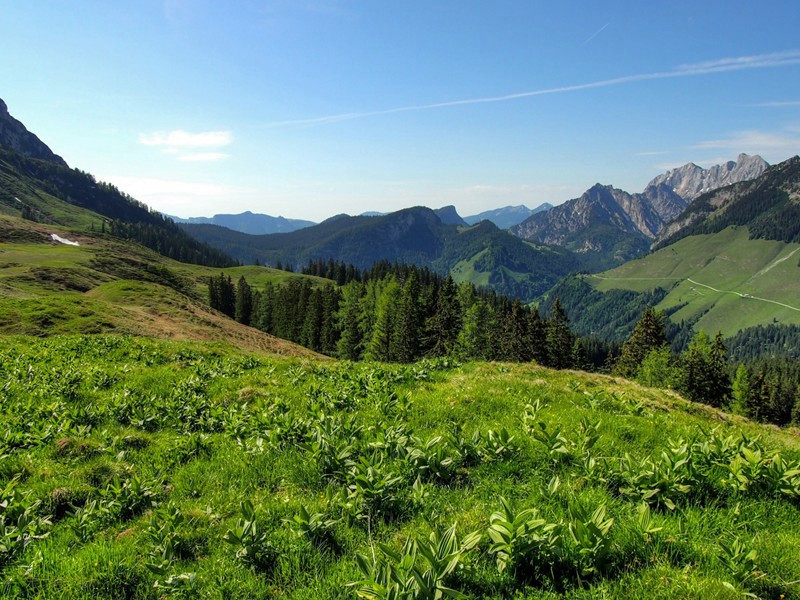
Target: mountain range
{"points": [[15, 136], [507, 216], [481, 254], [609, 226], [249, 222]]}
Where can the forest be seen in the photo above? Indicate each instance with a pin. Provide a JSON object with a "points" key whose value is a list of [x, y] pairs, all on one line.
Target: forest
{"points": [[403, 313]]}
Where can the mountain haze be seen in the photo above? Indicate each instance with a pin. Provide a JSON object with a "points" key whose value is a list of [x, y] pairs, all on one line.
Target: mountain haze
{"points": [[249, 222], [508, 216]]}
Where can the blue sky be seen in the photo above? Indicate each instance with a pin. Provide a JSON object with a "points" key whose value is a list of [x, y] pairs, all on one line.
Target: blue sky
{"points": [[310, 108]]}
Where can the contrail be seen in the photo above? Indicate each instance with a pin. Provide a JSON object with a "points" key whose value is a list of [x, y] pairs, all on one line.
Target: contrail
{"points": [[723, 65], [594, 35]]}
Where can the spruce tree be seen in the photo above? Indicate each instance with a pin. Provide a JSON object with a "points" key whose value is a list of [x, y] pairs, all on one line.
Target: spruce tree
{"points": [[445, 323], [244, 301], [406, 332], [559, 338], [380, 344], [348, 318], [648, 335]]}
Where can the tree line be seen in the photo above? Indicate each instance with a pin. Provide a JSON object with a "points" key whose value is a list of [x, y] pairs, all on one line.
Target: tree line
{"points": [[767, 390], [402, 313]]}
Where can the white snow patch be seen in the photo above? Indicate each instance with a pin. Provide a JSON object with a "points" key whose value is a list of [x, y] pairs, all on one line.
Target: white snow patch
{"points": [[58, 238]]}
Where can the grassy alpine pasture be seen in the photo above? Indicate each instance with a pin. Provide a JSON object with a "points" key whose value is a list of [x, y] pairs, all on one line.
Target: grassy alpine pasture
{"points": [[728, 261], [133, 468]]}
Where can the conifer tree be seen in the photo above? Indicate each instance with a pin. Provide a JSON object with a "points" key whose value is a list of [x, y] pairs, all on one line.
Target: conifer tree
{"points": [[380, 343], [559, 338], [445, 323], [244, 301], [406, 331], [537, 337], [514, 341], [348, 319], [648, 335]]}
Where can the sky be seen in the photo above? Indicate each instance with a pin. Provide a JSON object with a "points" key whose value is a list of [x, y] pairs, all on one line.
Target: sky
{"points": [[312, 108]]}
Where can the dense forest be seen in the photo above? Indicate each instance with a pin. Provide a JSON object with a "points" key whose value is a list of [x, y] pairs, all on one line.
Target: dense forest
{"points": [[401, 313]]}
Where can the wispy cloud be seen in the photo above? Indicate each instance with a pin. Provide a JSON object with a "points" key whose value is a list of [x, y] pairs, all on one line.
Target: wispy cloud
{"points": [[778, 104], [651, 153], [723, 65], [184, 139], [203, 156], [761, 142], [594, 35]]}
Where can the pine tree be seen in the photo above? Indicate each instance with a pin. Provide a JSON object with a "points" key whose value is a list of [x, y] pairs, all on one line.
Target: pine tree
{"points": [[445, 323], [514, 345], [559, 338], [648, 335], [704, 375], [473, 340], [406, 331], [244, 301], [348, 318], [537, 337], [380, 344]]}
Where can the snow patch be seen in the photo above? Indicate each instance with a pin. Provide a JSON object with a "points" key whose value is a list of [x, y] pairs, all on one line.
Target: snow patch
{"points": [[58, 238]]}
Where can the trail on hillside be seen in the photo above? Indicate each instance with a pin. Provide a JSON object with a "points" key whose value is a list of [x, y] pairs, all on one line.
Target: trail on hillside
{"points": [[690, 280], [741, 295]]}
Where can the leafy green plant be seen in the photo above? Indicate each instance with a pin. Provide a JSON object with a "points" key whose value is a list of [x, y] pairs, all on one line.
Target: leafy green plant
{"points": [[556, 445], [590, 535], [421, 570], [740, 561], [521, 538], [314, 526], [252, 545]]}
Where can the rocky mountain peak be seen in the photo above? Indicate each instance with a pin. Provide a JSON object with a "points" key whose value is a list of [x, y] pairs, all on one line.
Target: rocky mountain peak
{"points": [[691, 180], [15, 136]]}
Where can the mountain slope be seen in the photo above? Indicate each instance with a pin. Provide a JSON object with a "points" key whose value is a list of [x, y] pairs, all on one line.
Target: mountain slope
{"points": [[248, 222], [508, 216], [484, 254], [15, 136], [109, 285], [734, 265], [606, 225], [769, 206]]}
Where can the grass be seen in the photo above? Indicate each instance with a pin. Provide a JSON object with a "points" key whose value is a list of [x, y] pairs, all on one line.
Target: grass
{"points": [[132, 459], [108, 285], [728, 261]]}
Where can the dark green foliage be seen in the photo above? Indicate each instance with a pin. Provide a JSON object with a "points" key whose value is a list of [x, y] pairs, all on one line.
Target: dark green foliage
{"points": [[609, 316], [560, 340], [244, 302], [648, 335], [704, 373], [766, 340], [336, 248]]}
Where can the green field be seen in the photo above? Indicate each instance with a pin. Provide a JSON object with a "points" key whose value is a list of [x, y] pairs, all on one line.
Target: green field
{"points": [[126, 463], [754, 277], [108, 285]]}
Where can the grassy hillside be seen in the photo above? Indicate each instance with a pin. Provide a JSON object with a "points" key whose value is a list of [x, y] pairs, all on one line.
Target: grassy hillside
{"points": [[725, 280], [111, 285], [142, 469]]}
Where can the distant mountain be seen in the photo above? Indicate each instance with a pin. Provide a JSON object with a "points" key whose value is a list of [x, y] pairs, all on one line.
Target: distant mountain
{"points": [[14, 136], [609, 226], [728, 263], [606, 225], [768, 205], [248, 222], [508, 216], [481, 254], [690, 181], [449, 216]]}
